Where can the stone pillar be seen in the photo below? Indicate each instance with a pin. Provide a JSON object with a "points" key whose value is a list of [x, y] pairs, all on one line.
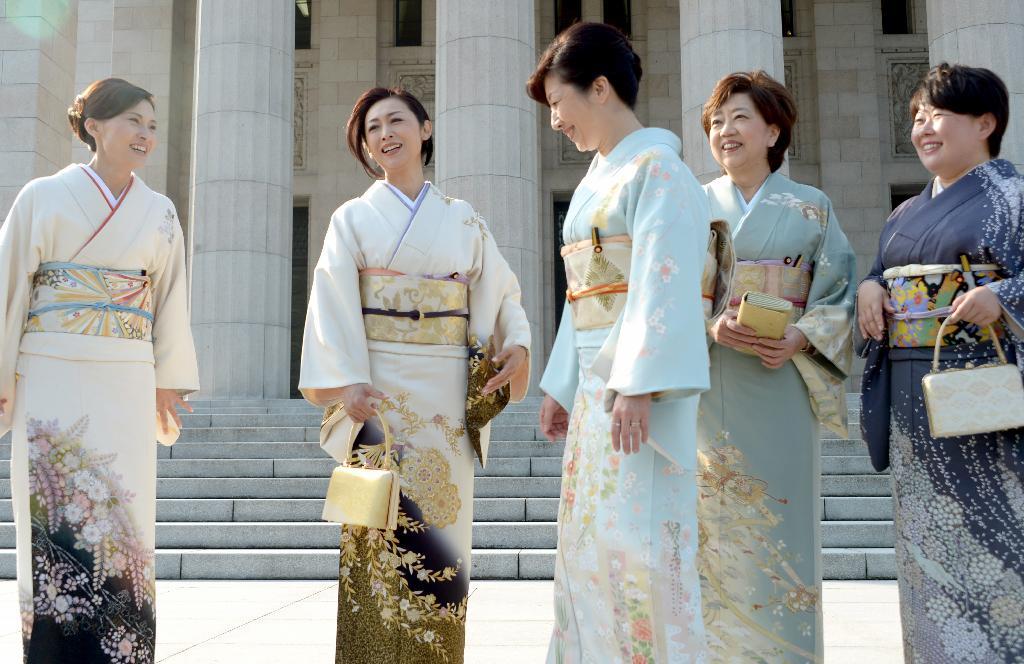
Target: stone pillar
{"points": [[242, 197], [486, 130], [719, 38], [985, 33], [37, 78], [848, 121], [93, 57]]}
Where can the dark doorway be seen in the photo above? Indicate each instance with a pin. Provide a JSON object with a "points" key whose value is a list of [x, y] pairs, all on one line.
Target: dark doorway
{"points": [[901, 192], [300, 290], [561, 209]]}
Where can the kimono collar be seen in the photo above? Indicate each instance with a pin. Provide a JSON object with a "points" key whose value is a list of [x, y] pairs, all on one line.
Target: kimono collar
{"points": [[638, 140], [993, 168]]}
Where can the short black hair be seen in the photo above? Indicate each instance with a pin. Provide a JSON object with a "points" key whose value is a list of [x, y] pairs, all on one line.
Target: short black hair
{"points": [[967, 91], [581, 54]]}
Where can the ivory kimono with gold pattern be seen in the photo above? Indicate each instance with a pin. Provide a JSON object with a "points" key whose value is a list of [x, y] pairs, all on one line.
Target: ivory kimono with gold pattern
{"points": [[626, 583], [88, 329], [758, 429], [403, 593]]}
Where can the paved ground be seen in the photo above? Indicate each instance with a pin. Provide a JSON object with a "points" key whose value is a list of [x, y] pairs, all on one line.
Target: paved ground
{"points": [[277, 622]]}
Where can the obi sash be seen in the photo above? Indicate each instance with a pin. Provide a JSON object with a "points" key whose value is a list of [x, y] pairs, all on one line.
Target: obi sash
{"points": [[597, 274], [922, 294], [83, 299], [416, 309], [788, 279]]}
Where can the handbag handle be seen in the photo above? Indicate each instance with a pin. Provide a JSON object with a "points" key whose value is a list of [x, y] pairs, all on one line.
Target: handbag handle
{"points": [[387, 441], [938, 344]]}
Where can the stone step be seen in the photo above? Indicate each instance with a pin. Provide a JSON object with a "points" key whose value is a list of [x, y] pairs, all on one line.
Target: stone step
{"points": [[307, 419], [855, 485], [857, 508], [286, 434], [847, 465], [846, 564]]}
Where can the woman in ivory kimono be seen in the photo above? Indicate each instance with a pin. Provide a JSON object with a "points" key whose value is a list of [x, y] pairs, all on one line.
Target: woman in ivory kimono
{"points": [[409, 278], [956, 250], [627, 367], [758, 430], [95, 348]]}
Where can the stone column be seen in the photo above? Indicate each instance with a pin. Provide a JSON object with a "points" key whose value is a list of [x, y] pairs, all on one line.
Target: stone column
{"points": [[719, 38], [93, 57], [486, 131], [242, 197], [848, 121], [37, 78], [985, 33]]}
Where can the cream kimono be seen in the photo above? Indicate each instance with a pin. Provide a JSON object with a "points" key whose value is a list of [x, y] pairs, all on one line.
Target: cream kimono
{"points": [[626, 583], [758, 432], [387, 266], [94, 318]]}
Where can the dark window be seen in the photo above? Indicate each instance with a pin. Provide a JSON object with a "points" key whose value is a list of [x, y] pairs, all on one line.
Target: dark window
{"points": [[303, 24], [901, 192], [896, 17], [561, 209], [408, 22], [567, 12], [788, 19], [617, 13], [300, 290]]}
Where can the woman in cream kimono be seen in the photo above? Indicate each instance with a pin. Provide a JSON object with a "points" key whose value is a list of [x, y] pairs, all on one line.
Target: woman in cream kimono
{"points": [[628, 363], [758, 434], [94, 342], [407, 279]]}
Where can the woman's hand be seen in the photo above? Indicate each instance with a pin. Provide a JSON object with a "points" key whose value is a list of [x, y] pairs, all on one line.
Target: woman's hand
{"points": [[774, 353], [729, 333], [3, 406], [630, 416], [979, 306], [510, 360], [872, 305], [358, 401], [554, 420], [167, 404]]}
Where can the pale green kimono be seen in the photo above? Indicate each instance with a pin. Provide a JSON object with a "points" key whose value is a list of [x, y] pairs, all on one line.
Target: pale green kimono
{"points": [[758, 437], [626, 583]]}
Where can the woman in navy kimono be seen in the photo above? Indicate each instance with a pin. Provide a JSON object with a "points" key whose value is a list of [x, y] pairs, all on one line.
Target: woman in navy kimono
{"points": [[955, 250]]}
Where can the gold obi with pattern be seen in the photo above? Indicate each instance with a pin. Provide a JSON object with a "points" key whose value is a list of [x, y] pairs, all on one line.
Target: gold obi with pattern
{"points": [[597, 274], [415, 309], [922, 295], [787, 278], [82, 299]]}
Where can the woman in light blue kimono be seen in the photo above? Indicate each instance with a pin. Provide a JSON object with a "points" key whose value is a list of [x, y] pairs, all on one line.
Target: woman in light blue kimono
{"points": [[758, 430], [628, 363]]}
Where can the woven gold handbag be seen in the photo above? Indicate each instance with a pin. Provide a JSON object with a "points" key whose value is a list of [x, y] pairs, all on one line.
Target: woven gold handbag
{"points": [[361, 496], [973, 400]]}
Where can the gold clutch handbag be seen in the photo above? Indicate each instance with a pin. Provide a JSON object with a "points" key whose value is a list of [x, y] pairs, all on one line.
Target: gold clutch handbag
{"points": [[973, 400], [358, 495], [765, 314]]}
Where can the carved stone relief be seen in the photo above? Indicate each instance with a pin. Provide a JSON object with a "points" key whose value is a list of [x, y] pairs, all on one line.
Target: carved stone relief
{"points": [[299, 124], [903, 79]]}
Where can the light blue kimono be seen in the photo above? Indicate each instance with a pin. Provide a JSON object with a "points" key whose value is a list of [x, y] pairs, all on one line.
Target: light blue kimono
{"points": [[626, 583]]}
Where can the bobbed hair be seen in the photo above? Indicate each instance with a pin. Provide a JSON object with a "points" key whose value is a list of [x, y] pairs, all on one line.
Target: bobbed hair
{"points": [[772, 100], [581, 54], [355, 129], [966, 90], [102, 100]]}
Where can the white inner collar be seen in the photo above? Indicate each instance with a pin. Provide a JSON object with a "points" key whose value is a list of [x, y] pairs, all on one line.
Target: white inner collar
{"points": [[112, 200]]}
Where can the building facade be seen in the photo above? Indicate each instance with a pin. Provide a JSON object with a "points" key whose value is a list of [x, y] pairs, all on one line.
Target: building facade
{"points": [[253, 95]]}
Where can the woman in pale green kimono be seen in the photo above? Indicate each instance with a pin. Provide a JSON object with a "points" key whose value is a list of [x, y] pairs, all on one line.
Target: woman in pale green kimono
{"points": [[629, 363], [758, 430], [407, 278]]}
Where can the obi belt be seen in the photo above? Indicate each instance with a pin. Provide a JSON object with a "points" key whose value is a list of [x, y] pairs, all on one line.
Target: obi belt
{"points": [[597, 274], [415, 309], [83, 299], [922, 294], [787, 278]]}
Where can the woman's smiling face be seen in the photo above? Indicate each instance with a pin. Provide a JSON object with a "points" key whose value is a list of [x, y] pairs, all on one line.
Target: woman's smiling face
{"points": [[394, 137], [739, 135], [571, 113]]}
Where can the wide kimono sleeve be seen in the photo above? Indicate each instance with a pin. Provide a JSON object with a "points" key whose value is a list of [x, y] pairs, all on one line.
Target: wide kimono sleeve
{"points": [[1007, 248], [19, 258], [495, 304], [660, 345], [562, 374], [174, 353], [334, 351]]}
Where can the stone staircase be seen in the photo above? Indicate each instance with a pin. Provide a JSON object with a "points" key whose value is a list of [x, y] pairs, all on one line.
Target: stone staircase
{"points": [[239, 497]]}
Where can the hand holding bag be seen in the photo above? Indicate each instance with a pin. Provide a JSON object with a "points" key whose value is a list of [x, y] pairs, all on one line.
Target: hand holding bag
{"points": [[973, 400], [766, 314], [358, 495]]}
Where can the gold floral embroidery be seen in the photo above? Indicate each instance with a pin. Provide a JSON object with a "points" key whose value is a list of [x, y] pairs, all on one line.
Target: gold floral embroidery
{"points": [[426, 480], [478, 221]]}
